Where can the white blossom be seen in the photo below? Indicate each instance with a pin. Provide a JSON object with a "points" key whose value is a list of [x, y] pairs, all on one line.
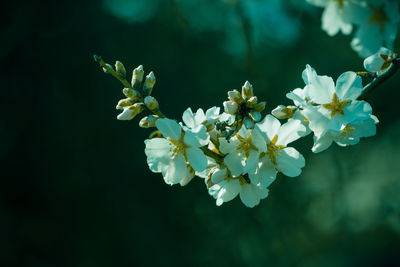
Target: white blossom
{"points": [[178, 152], [278, 157]]}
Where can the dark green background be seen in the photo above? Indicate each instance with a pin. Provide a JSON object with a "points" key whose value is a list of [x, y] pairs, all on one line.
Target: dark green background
{"points": [[75, 187]]}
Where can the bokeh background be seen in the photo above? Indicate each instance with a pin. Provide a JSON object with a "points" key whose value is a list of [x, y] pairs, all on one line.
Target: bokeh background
{"points": [[75, 187]]}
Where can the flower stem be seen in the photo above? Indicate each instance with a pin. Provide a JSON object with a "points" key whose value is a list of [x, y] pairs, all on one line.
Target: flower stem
{"points": [[111, 71], [211, 154], [380, 79]]}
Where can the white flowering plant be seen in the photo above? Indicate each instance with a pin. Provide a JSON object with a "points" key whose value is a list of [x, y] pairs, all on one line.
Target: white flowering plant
{"points": [[237, 151]]}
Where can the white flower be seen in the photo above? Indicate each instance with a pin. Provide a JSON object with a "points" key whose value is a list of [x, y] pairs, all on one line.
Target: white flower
{"points": [[242, 151], [278, 156], [333, 106], [178, 152], [378, 22], [193, 120], [337, 15], [380, 61], [349, 134], [225, 188]]}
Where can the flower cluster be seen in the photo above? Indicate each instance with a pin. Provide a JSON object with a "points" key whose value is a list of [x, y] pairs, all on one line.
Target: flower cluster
{"points": [[238, 152], [376, 21]]}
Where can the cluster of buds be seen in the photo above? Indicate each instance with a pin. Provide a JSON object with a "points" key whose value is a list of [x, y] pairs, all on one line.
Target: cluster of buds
{"points": [[244, 107], [138, 96]]}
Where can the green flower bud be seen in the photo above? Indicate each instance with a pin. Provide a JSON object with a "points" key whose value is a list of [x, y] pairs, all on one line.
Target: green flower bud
{"points": [[247, 90], [148, 121], [124, 103], [235, 96], [137, 76], [119, 67], [151, 103], [252, 102], [132, 93], [260, 106], [149, 83]]}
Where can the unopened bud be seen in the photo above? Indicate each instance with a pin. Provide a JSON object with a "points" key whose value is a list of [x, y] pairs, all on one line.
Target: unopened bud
{"points": [[235, 96], [151, 103], [132, 93], [148, 121], [109, 66], [124, 103], [248, 123], [282, 112], [149, 83], [260, 106], [231, 107], [255, 115], [119, 67], [252, 102], [247, 90], [137, 76]]}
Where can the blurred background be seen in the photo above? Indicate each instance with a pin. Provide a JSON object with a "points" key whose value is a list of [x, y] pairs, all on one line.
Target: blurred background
{"points": [[76, 189]]}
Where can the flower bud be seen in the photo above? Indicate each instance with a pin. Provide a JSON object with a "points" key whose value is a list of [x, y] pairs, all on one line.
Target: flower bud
{"points": [[282, 112], [151, 103], [252, 102], [137, 76], [255, 115], [235, 96], [247, 90], [108, 65], [149, 83], [124, 103], [132, 93], [130, 112], [119, 67], [248, 123], [231, 107], [260, 106], [148, 121]]}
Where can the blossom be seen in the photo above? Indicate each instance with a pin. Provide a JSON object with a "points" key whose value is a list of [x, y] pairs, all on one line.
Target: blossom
{"points": [[178, 152], [194, 120], [349, 134], [225, 188], [337, 15], [278, 157], [329, 109], [242, 150], [380, 61], [377, 26]]}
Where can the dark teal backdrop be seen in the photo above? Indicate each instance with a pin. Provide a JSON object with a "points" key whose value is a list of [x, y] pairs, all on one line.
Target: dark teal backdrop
{"points": [[75, 187]]}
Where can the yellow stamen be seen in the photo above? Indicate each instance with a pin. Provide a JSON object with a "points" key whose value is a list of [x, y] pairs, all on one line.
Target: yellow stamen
{"points": [[245, 145], [272, 150], [378, 16], [336, 106], [178, 147]]}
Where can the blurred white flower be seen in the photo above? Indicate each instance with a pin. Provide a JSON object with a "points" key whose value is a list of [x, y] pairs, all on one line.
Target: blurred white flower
{"points": [[337, 15], [378, 23], [178, 152], [380, 61]]}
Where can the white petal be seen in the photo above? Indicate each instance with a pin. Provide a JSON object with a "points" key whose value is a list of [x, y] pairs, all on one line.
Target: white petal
{"points": [[188, 118], [322, 143], [252, 162], [290, 162], [219, 175], [251, 195], [169, 128], [290, 131], [197, 137], [317, 121], [189, 176], [212, 113], [199, 117], [234, 162], [226, 146], [228, 192], [349, 86], [265, 174], [331, 20], [196, 158], [157, 152], [320, 89], [175, 171], [269, 126]]}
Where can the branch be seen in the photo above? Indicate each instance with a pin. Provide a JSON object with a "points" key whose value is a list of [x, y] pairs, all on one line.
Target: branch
{"points": [[380, 79]]}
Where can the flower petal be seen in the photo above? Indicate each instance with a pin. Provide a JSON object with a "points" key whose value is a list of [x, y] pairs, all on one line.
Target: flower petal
{"points": [[251, 195], [158, 153], [269, 126], [175, 171], [290, 162], [319, 89], [228, 191], [290, 131], [349, 86], [196, 158], [322, 143], [169, 128], [197, 137], [188, 118], [234, 162]]}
